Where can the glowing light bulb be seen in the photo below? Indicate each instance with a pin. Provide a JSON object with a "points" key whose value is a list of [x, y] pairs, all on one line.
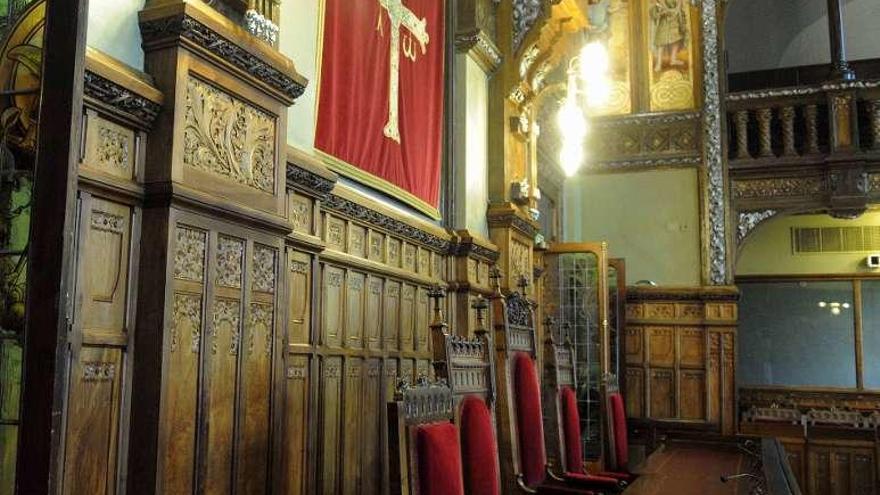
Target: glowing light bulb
{"points": [[571, 120], [593, 60], [822, 304], [845, 305], [835, 311], [570, 158], [597, 91]]}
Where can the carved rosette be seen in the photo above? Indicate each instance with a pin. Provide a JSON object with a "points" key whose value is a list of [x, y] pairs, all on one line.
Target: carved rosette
{"points": [[227, 137]]}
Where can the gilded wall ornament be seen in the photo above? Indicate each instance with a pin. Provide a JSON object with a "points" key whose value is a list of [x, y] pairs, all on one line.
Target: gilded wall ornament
{"points": [[525, 13], [227, 137]]}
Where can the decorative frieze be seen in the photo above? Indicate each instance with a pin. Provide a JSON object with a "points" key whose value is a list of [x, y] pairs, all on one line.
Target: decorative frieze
{"points": [[780, 187], [397, 227], [312, 183], [120, 98], [228, 137]]}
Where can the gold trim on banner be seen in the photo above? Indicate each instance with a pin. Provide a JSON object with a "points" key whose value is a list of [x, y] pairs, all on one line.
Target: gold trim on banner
{"points": [[354, 173]]}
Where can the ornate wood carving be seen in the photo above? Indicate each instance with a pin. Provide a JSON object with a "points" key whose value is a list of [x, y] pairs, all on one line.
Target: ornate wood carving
{"points": [[121, 98], [228, 137], [230, 254]]}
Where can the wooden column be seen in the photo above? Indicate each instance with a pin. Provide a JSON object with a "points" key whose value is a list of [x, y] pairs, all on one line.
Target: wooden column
{"points": [[840, 68], [49, 288]]}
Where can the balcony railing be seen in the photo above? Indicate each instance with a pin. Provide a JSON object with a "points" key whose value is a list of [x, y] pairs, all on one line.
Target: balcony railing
{"points": [[804, 125]]}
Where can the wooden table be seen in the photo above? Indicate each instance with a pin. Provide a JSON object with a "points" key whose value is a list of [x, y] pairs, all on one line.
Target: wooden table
{"points": [[688, 469]]}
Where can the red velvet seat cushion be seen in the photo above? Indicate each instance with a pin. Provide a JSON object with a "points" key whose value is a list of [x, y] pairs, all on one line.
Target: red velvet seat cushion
{"points": [[592, 480], [571, 426], [618, 418], [478, 448], [439, 460], [529, 421]]}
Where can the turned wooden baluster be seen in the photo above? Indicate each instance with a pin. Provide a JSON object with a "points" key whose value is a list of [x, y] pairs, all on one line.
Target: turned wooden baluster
{"points": [[765, 116], [788, 148], [741, 120], [875, 124], [811, 117]]}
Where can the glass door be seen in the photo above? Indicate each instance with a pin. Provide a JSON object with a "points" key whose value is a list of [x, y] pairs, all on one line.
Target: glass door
{"points": [[576, 295]]}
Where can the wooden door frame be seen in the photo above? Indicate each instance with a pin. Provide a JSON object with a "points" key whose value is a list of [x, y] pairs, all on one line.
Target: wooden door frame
{"points": [[51, 249]]}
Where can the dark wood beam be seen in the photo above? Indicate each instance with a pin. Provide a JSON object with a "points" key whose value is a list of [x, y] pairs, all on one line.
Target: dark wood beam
{"points": [[51, 248]]}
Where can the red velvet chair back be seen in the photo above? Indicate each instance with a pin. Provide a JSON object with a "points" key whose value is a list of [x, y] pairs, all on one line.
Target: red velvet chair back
{"points": [[522, 452], [467, 366], [571, 429], [562, 421], [617, 424], [424, 445]]}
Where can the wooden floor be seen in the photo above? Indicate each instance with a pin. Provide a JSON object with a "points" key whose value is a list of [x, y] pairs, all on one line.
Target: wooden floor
{"points": [[689, 470]]}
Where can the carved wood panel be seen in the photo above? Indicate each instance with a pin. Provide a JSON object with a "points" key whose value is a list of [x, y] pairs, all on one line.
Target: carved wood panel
{"points": [[662, 393], [96, 419], [92, 430], [299, 298], [635, 392], [661, 346], [331, 415], [296, 422], [109, 147]]}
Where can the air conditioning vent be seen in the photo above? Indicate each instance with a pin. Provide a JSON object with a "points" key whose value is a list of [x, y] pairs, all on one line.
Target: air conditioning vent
{"points": [[814, 240]]}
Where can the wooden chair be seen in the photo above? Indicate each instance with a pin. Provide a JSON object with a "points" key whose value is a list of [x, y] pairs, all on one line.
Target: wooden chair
{"points": [[468, 368], [562, 418], [521, 443], [424, 449]]}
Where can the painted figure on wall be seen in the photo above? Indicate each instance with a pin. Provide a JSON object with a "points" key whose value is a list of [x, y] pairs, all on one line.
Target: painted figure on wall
{"points": [[668, 32]]}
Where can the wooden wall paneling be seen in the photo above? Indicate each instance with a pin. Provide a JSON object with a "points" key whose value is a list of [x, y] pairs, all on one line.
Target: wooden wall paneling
{"points": [[407, 317], [795, 449], [331, 417], [663, 393], [371, 476], [635, 386], [354, 412], [692, 396], [409, 257], [96, 430], [714, 376], [354, 309], [661, 346], [299, 298], [422, 319], [728, 390], [257, 350], [185, 343], [332, 306], [374, 310], [407, 371], [377, 248], [297, 417], [391, 316], [220, 363], [357, 240]]}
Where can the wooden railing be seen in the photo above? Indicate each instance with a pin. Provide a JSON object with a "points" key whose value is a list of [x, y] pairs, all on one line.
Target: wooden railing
{"points": [[804, 124]]}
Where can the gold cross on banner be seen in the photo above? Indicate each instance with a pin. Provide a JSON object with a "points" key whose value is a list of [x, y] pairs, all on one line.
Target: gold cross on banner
{"points": [[400, 16]]}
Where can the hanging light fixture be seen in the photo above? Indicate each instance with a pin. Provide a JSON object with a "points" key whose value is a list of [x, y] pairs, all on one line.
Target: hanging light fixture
{"points": [[588, 87]]}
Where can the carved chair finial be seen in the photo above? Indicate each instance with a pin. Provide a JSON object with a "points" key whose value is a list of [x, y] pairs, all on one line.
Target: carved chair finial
{"points": [[566, 333], [480, 305], [523, 284], [495, 275], [549, 325], [436, 293]]}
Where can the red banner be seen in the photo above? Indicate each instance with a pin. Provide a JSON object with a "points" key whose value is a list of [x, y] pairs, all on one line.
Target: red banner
{"points": [[373, 49]]}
